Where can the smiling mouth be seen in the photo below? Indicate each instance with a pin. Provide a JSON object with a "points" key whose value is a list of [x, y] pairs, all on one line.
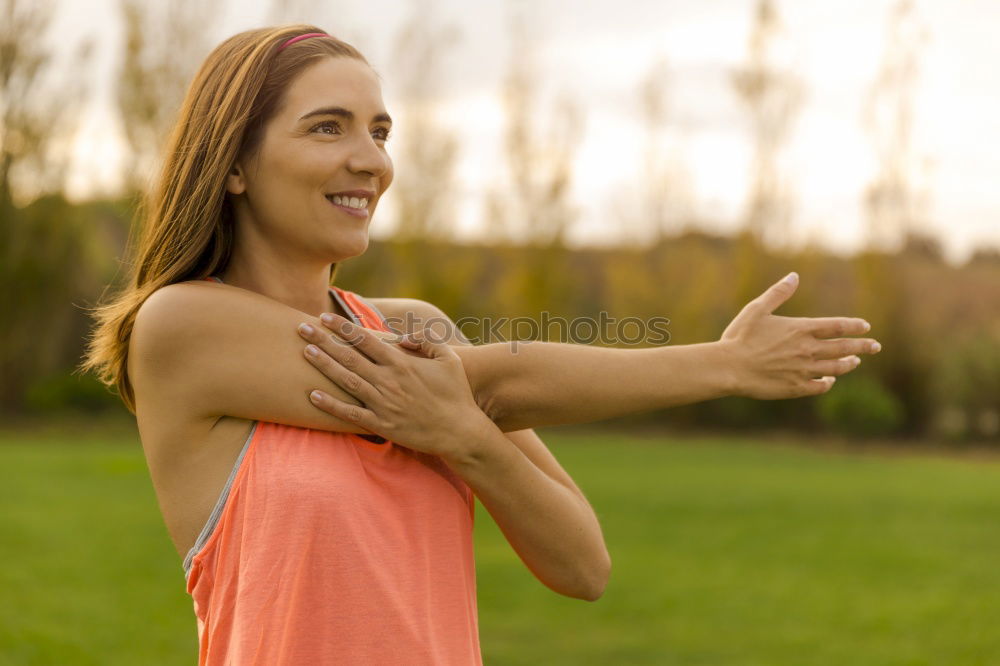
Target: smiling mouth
{"points": [[352, 202], [350, 205]]}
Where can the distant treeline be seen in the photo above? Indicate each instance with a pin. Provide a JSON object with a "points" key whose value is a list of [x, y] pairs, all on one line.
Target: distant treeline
{"points": [[938, 374]]}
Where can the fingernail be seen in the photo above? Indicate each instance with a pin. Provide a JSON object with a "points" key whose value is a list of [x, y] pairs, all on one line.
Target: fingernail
{"points": [[876, 347], [315, 396], [791, 278], [326, 318], [306, 328], [855, 360], [868, 327], [312, 350]]}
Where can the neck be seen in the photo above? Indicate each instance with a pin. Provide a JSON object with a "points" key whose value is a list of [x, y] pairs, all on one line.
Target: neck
{"points": [[289, 280]]}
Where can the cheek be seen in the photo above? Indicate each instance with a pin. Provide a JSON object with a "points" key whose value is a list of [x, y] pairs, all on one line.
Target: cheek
{"points": [[300, 163]]}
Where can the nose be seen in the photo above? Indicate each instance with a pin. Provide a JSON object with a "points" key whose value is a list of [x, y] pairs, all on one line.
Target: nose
{"points": [[367, 157]]}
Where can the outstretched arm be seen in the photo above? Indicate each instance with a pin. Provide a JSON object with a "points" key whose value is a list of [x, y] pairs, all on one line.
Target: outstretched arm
{"points": [[521, 385], [209, 350]]}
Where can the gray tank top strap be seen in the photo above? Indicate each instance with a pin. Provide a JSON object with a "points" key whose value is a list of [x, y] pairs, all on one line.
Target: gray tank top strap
{"points": [[220, 504], [376, 311], [343, 304]]}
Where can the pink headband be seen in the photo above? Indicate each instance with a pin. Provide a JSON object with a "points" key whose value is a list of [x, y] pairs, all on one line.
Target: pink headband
{"points": [[300, 38]]}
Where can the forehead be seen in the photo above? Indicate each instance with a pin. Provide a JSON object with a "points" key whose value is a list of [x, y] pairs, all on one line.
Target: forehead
{"points": [[342, 81]]}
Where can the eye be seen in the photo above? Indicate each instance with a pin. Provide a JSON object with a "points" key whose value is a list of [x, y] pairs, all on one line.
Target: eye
{"points": [[382, 133], [326, 123]]}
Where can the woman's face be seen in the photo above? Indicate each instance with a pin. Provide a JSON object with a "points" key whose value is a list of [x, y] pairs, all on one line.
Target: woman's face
{"points": [[321, 156]]}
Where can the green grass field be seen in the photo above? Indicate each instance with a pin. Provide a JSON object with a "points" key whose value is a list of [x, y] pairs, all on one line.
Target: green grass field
{"points": [[726, 552]]}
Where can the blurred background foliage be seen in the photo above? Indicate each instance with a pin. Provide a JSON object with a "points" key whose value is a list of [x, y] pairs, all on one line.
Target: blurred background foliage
{"points": [[937, 376]]}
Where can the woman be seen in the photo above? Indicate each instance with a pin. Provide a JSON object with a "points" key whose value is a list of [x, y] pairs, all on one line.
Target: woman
{"points": [[307, 537]]}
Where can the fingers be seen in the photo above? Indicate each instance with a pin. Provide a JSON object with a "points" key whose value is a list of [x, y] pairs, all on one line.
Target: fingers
{"points": [[833, 327], [341, 375], [360, 338], [777, 293], [840, 347], [345, 411], [836, 367], [419, 340], [818, 386], [339, 352]]}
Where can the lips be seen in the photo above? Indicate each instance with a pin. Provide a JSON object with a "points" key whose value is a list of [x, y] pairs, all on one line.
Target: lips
{"points": [[360, 194], [351, 201], [351, 205]]}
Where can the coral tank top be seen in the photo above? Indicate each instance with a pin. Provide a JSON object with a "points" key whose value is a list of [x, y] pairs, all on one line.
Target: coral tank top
{"points": [[333, 548]]}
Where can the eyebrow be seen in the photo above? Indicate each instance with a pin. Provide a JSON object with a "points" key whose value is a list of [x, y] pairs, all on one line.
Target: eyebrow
{"points": [[344, 113]]}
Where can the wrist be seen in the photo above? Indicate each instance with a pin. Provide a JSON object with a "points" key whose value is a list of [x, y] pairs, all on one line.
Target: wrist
{"points": [[728, 362], [468, 441]]}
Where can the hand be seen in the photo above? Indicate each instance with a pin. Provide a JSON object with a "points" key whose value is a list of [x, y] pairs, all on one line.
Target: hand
{"points": [[415, 393], [788, 357]]}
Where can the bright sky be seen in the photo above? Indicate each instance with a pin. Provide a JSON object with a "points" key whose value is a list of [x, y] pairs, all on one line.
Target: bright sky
{"points": [[599, 51]]}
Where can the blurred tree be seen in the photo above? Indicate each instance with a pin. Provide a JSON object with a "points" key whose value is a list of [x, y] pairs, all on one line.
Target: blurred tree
{"points": [[893, 199], [666, 201], [296, 11], [773, 97], [534, 207], [41, 267], [163, 46], [966, 385], [39, 103], [860, 406], [892, 202], [424, 187]]}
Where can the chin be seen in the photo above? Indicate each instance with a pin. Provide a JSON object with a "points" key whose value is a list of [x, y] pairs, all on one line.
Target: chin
{"points": [[353, 248]]}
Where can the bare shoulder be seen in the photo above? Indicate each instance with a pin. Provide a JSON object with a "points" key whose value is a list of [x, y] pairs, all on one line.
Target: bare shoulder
{"points": [[409, 314], [198, 314], [173, 309], [209, 350], [173, 320], [163, 324]]}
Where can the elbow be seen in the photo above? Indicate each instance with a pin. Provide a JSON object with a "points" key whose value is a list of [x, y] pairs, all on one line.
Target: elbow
{"points": [[490, 399], [599, 579], [592, 582], [511, 405]]}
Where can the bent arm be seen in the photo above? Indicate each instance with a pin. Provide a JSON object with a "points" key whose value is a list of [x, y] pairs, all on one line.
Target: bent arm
{"points": [[208, 350], [543, 514]]}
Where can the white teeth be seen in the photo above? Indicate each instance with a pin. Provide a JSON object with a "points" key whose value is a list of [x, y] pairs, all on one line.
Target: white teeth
{"points": [[350, 202]]}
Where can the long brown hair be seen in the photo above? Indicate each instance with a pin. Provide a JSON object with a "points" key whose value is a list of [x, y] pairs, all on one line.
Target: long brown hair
{"points": [[185, 223]]}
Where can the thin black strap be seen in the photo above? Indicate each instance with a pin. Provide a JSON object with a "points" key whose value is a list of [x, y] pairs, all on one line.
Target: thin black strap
{"points": [[346, 308], [357, 320], [371, 438]]}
